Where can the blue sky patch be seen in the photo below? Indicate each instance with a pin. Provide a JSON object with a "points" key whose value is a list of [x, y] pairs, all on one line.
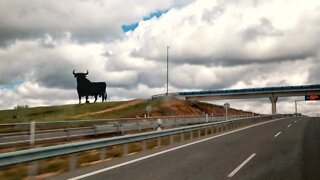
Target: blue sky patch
{"points": [[13, 85], [133, 26]]}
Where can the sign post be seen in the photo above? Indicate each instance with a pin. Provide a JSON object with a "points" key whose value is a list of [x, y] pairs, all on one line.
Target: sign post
{"points": [[226, 107], [149, 109]]}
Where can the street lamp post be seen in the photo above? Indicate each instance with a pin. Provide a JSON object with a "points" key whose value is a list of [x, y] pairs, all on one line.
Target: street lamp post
{"points": [[167, 70]]}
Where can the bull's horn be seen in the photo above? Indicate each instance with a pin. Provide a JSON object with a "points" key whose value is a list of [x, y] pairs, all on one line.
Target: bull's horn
{"points": [[87, 72], [74, 72]]}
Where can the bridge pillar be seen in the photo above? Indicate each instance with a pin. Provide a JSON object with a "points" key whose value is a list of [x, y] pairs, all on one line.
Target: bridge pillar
{"points": [[273, 104]]}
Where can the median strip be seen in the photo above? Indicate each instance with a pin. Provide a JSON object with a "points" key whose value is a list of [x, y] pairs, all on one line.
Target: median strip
{"points": [[241, 165]]}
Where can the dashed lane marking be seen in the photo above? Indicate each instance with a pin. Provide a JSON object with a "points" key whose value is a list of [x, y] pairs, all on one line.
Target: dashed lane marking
{"points": [[277, 134], [241, 165]]}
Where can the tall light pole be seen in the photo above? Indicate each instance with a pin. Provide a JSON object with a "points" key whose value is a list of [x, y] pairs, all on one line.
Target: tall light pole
{"points": [[167, 70]]}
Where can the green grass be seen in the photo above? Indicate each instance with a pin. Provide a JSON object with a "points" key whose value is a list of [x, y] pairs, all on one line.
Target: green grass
{"points": [[54, 113], [71, 112]]}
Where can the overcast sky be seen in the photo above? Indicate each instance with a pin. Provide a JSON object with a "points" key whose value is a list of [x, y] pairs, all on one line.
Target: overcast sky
{"points": [[214, 44]]}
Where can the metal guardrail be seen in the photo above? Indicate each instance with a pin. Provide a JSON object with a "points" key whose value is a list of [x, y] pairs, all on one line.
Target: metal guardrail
{"points": [[23, 156], [96, 127]]}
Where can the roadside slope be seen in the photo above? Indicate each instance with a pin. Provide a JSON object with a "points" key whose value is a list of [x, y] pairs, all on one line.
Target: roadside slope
{"points": [[116, 109]]}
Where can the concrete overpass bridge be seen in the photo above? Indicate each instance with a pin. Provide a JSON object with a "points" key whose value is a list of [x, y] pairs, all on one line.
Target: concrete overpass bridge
{"points": [[273, 93]]}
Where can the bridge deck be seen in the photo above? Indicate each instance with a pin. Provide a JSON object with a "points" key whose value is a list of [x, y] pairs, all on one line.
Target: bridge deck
{"points": [[252, 90]]}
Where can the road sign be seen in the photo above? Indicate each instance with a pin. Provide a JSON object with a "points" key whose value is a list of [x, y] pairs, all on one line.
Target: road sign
{"points": [[312, 97], [226, 105], [149, 108]]}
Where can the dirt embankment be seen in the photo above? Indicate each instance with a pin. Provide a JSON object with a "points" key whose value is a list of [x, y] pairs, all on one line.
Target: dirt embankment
{"points": [[175, 107], [160, 107], [120, 107]]}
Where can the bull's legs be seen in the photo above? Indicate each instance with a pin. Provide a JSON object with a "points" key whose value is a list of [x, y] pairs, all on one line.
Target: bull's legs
{"points": [[79, 99], [87, 99], [95, 98]]}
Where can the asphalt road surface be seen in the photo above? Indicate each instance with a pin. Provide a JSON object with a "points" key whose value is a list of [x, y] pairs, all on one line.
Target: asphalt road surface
{"points": [[281, 149]]}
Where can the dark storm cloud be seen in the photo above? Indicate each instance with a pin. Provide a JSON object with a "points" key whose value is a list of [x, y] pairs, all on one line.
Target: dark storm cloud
{"points": [[55, 73], [152, 78], [229, 59], [86, 21], [314, 71], [264, 28], [37, 62]]}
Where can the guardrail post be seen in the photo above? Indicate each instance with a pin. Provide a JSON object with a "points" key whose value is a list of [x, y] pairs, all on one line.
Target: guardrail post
{"points": [[67, 133], [181, 137], [33, 170], [171, 139], [73, 162], [144, 145], [139, 127], [152, 125], [207, 120], [125, 149], [117, 128], [199, 133], [95, 129], [159, 124], [102, 154], [191, 135], [32, 132], [192, 121], [158, 141], [122, 129]]}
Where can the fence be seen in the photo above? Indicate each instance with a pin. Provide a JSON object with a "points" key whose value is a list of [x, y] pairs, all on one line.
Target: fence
{"points": [[38, 132]]}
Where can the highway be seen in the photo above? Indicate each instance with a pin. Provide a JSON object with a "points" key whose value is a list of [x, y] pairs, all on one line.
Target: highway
{"points": [[280, 149]]}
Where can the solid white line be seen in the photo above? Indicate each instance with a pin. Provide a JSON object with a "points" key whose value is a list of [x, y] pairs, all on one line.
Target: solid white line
{"points": [[241, 165], [162, 152], [289, 125], [277, 134]]}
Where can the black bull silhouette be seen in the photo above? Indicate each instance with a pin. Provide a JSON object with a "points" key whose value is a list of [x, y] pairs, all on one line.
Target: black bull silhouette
{"points": [[87, 88]]}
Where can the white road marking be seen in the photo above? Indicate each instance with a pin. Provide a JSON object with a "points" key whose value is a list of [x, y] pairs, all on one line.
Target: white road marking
{"points": [[295, 121], [277, 134], [241, 165], [289, 125], [163, 152]]}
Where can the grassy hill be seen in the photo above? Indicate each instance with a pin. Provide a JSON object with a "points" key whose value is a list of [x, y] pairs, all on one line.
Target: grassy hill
{"points": [[116, 109]]}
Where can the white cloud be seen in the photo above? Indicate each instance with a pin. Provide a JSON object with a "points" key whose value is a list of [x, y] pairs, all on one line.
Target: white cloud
{"points": [[237, 33], [89, 20], [213, 45]]}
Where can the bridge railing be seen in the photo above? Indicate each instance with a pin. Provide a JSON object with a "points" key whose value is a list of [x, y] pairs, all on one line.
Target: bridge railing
{"points": [[33, 155]]}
